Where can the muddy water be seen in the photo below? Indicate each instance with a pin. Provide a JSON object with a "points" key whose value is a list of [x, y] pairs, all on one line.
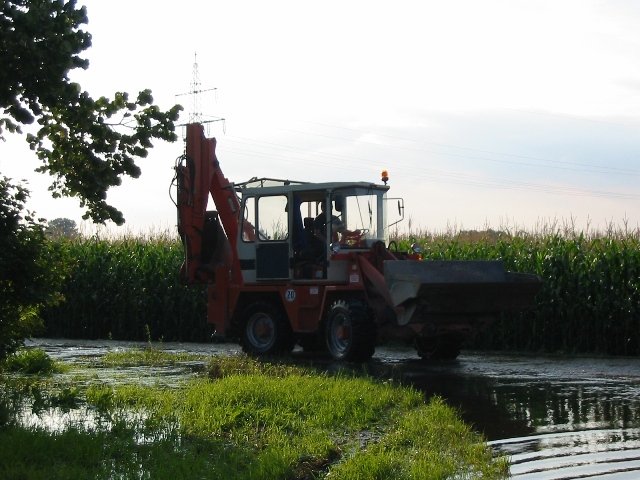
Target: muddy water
{"points": [[555, 417]]}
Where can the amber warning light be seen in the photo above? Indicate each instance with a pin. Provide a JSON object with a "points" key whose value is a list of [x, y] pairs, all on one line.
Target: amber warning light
{"points": [[385, 176]]}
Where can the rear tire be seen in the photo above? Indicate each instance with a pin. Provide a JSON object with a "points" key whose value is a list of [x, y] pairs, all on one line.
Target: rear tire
{"points": [[265, 330], [350, 333]]}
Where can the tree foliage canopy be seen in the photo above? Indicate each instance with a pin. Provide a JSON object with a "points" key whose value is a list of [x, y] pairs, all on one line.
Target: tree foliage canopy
{"points": [[86, 144], [31, 270], [61, 228]]}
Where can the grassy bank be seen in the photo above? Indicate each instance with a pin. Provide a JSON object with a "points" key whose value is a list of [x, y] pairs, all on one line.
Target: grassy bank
{"points": [[589, 303], [248, 420]]}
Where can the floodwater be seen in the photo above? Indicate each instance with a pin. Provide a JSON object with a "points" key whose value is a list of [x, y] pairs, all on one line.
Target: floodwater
{"points": [[555, 417]]}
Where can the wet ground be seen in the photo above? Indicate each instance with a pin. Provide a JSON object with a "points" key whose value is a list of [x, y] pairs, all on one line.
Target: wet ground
{"points": [[556, 417]]}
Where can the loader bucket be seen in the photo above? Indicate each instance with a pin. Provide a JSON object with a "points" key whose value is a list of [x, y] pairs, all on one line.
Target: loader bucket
{"points": [[421, 290]]}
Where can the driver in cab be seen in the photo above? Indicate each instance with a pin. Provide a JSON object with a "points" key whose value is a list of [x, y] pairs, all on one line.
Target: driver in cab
{"points": [[338, 229]]}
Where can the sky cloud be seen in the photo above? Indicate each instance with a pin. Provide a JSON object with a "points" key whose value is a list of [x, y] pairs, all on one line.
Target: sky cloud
{"points": [[482, 111]]}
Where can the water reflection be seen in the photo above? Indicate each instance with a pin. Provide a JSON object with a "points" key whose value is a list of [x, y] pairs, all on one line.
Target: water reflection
{"points": [[505, 396], [612, 454], [555, 418]]}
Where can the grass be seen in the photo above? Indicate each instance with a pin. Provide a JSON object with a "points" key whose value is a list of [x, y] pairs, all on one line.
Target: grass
{"points": [[249, 419], [152, 357], [74, 453], [428, 442], [31, 361]]}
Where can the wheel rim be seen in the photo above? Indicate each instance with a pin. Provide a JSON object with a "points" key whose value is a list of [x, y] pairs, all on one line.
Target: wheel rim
{"points": [[340, 334], [261, 331]]}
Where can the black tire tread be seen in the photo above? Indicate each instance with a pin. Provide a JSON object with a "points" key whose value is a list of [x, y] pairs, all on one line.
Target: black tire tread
{"points": [[284, 342], [363, 331]]}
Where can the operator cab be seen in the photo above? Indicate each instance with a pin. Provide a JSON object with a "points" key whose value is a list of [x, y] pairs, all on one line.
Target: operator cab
{"points": [[294, 230]]}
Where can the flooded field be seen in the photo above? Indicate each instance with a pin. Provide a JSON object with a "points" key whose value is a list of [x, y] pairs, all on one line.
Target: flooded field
{"points": [[555, 417]]}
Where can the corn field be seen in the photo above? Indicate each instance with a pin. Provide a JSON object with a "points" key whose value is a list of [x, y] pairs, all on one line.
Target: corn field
{"points": [[590, 299], [127, 289], [589, 302]]}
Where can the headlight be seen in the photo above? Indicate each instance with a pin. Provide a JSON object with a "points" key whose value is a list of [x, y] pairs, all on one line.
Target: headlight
{"points": [[335, 247], [415, 248]]}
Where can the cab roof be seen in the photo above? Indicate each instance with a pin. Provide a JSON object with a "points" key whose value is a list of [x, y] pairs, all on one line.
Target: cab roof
{"points": [[275, 186]]}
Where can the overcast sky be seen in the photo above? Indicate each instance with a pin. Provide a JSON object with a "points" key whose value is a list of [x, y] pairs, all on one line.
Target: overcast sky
{"points": [[490, 113]]}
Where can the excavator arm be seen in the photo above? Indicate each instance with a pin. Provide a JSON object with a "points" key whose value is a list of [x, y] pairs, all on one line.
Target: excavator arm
{"points": [[209, 236]]}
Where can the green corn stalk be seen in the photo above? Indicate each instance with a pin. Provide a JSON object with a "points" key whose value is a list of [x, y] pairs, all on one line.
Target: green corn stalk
{"points": [[589, 302], [590, 299]]}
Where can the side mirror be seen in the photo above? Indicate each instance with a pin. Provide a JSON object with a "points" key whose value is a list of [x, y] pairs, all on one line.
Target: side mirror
{"points": [[400, 210]]}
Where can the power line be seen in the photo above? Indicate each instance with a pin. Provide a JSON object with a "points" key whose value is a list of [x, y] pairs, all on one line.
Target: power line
{"points": [[557, 164], [432, 175]]}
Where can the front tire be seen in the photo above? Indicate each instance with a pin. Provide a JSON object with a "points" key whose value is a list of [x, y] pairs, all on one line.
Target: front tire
{"points": [[265, 330], [350, 333]]}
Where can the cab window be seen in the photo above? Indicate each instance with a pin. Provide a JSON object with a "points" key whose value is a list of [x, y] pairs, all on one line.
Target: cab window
{"points": [[273, 222]]}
